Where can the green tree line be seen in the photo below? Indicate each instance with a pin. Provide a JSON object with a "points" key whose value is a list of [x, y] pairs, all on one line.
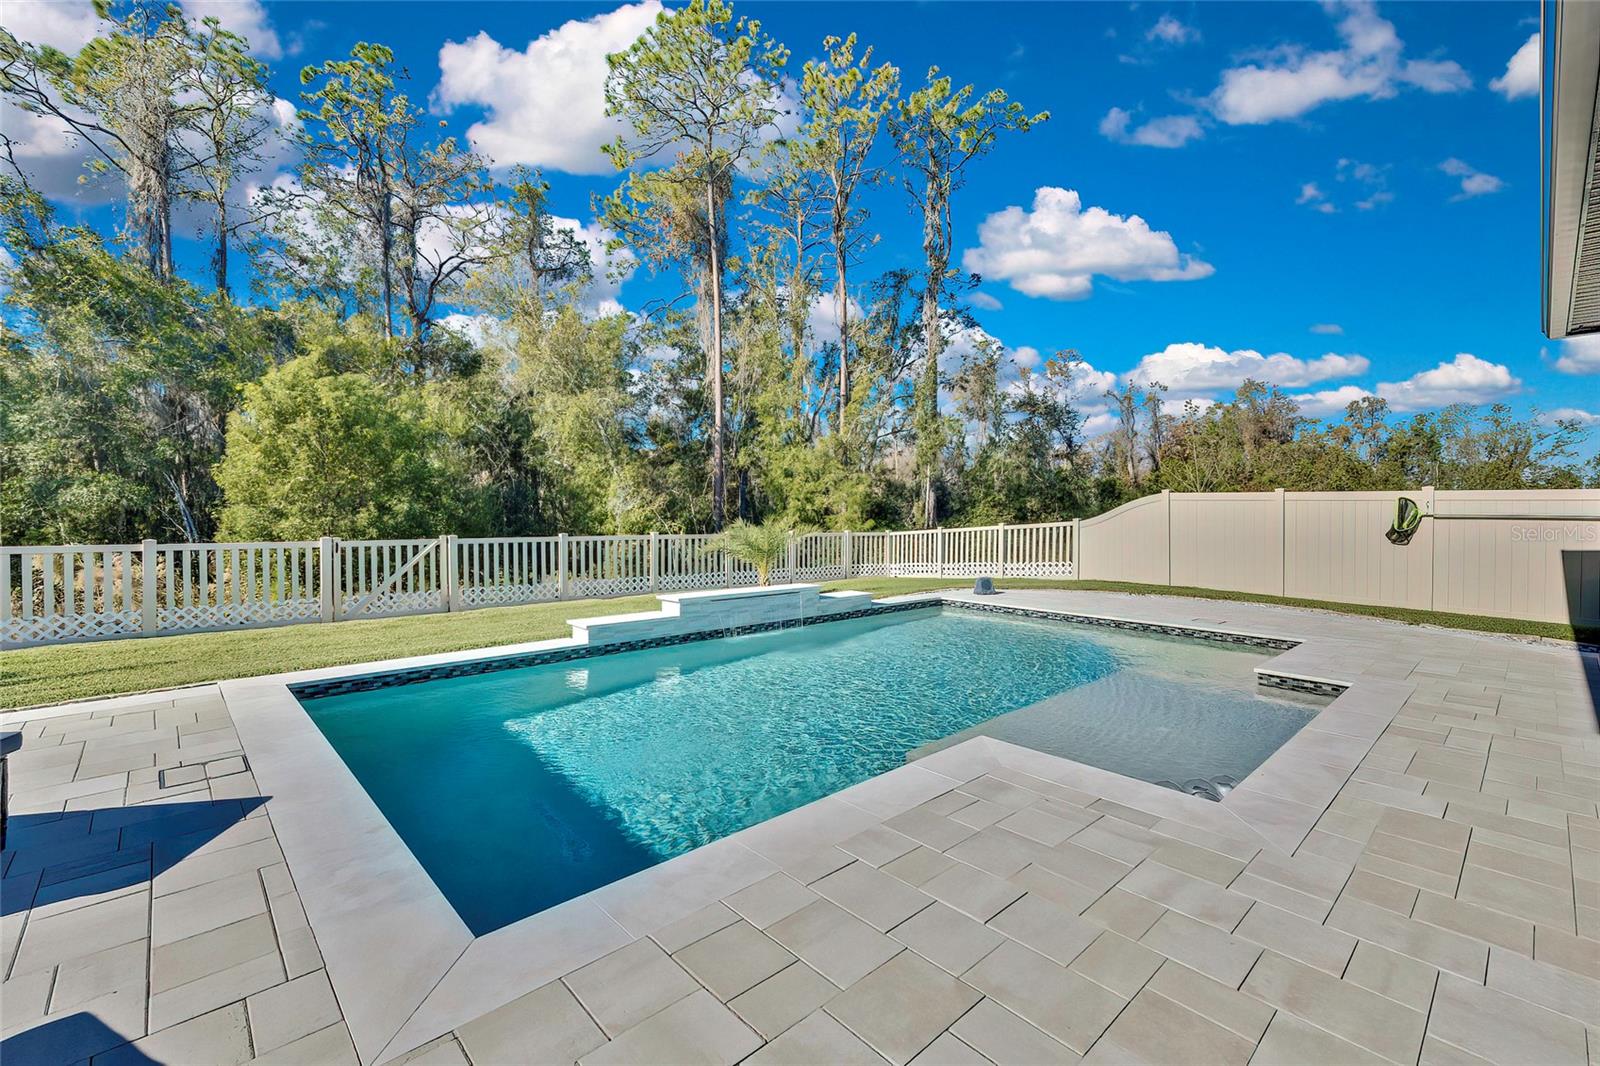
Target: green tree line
{"points": [[311, 376]]}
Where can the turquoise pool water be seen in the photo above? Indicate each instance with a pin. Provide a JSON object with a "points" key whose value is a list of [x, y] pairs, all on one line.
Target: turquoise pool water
{"points": [[522, 788]]}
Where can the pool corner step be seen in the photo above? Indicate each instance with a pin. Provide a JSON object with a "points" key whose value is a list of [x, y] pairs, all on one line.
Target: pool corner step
{"points": [[717, 609], [843, 600]]}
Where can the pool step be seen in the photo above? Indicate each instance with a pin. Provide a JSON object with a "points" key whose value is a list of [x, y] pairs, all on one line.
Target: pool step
{"points": [[844, 600], [717, 609]]}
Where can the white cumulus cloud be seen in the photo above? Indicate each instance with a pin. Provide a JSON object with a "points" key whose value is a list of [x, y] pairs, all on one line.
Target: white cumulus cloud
{"points": [[1474, 182], [1464, 379], [1326, 403], [1580, 355], [1332, 328], [822, 321], [1192, 369], [1291, 80], [247, 18], [1056, 249], [1168, 131], [1170, 30], [1571, 414], [545, 105], [610, 268], [64, 24], [1312, 196], [984, 302], [1522, 72]]}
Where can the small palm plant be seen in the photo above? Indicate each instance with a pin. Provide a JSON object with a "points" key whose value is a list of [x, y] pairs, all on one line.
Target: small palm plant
{"points": [[762, 546]]}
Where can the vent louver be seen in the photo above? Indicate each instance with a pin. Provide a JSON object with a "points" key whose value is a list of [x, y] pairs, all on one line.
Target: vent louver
{"points": [[1583, 316]]}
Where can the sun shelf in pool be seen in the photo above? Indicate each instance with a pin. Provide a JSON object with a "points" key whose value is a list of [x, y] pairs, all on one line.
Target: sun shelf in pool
{"points": [[521, 788]]}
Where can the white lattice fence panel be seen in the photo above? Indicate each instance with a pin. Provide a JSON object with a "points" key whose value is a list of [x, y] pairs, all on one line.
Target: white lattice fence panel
{"points": [[688, 561], [61, 594], [819, 557], [237, 615], [509, 595], [67, 628], [608, 566], [912, 554], [507, 570], [1039, 550], [224, 586], [867, 555]]}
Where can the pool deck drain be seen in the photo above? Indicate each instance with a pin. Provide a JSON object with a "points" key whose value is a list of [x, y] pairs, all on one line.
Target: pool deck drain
{"points": [[1418, 880]]}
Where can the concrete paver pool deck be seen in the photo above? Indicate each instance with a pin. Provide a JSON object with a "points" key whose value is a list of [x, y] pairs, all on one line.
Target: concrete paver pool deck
{"points": [[1414, 878]]}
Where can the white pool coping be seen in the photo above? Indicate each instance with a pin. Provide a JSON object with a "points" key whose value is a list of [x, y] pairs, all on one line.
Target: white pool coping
{"points": [[406, 968]]}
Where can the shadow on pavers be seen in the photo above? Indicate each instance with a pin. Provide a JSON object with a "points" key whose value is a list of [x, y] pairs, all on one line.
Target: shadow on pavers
{"points": [[50, 858], [71, 1038]]}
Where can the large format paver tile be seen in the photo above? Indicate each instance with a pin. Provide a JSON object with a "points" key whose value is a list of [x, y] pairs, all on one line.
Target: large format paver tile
{"points": [[119, 972], [949, 1050], [1289, 1041], [1202, 947], [783, 999], [629, 985], [771, 899], [1153, 1028], [878, 899], [1289, 934], [1069, 1007], [972, 891], [833, 942], [1223, 1004], [1117, 963], [694, 1030], [947, 937], [1046, 928], [820, 1038], [546, 1025], [207, 953], [84, 931], [1500, 1028], [215, 990], [292, 1011], [902, 1006], [1548, 986], [734, 959], [221, 1037], [1350, 1012], [208, 906], [1005, 1039], [330, 1046]]}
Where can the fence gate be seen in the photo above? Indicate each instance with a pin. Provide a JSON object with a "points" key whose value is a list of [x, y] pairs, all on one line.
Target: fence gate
{"points": [[391, 577]]}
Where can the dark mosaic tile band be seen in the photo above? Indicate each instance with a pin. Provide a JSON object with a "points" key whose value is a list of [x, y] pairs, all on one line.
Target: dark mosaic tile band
{"points": [[311, 690], [1216, 636], [1299, 684]]}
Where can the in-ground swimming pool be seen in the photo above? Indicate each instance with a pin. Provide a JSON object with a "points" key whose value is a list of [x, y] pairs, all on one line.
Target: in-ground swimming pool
{"points": [[519, 789]]}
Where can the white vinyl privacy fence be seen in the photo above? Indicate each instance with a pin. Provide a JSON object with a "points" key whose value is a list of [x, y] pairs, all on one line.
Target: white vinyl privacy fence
{"points": [[57, 593], [1531, 554]]}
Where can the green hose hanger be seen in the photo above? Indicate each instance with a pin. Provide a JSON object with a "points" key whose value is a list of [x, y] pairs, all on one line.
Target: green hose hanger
{"points": [[1407, 518]]}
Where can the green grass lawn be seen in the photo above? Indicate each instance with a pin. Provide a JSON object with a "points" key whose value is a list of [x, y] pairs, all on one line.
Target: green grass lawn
{"points": [[35, 676]]}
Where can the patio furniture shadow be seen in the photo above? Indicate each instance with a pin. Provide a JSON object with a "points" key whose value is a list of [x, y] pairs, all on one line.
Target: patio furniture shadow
{"points": [[57, 857], [71, 1038]]}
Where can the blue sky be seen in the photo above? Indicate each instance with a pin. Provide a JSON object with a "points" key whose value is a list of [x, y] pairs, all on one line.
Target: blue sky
{"points": [[1339, 199]]}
